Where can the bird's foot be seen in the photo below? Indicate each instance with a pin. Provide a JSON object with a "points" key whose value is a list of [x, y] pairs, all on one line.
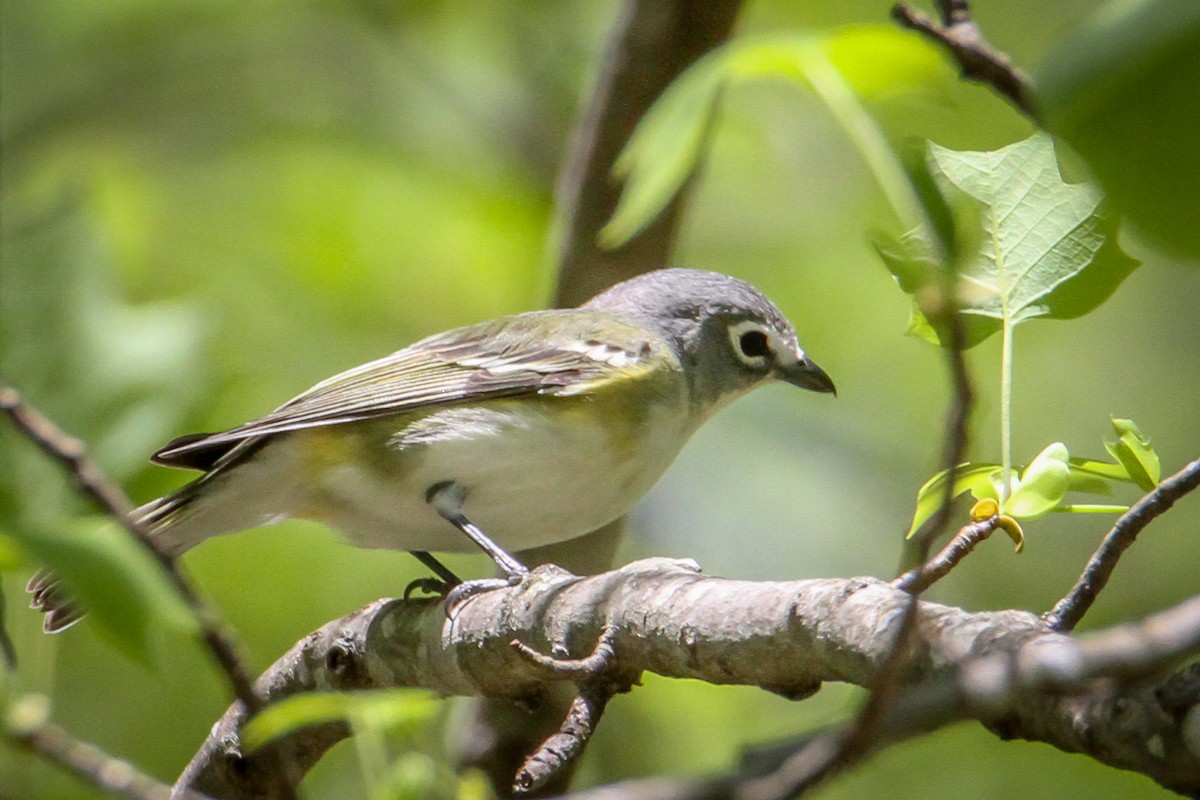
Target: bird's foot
{"points": [[431, 586], [468, 589]]}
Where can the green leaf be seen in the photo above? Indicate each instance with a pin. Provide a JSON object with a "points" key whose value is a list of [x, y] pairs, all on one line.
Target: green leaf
{"points": [[873, 62], [1043, 486], [1046, 250], [664, 149], [1122, 91], [978, 479], [1135, 454], [11, 559], [122, 586], [373, 710], [919, 270], [1095, 477]]}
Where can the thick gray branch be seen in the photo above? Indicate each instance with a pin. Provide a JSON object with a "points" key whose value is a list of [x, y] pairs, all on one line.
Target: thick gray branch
{"points": [[785, 637]]}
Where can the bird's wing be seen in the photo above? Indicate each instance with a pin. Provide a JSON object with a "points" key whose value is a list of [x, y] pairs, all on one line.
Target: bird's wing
{"points": [[540, 352]]}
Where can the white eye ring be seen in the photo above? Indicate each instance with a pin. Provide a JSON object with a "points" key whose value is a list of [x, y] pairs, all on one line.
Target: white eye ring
{"points": [[753, 343]]}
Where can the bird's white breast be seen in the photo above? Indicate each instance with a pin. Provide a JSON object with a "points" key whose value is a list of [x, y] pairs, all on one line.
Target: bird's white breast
{"points": [[533, 474]]}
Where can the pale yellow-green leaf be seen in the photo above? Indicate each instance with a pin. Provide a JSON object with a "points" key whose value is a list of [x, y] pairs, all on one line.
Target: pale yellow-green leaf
{"points": [[1043, 484]]}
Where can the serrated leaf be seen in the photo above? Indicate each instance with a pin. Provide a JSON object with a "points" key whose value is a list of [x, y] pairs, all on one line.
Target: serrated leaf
{"points": [[1044, 484], [1046, 249], [978, 479], [124, 589], [374, 709], [1135, 454]]}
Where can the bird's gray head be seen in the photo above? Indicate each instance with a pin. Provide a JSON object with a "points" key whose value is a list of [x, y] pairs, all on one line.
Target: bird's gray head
{"points": [[727, 334]]}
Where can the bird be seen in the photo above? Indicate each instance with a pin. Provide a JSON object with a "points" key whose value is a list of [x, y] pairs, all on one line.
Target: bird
{"points": [[519, 432]]}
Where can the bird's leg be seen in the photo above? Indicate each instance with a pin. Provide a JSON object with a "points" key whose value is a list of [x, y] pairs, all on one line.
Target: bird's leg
{"points": [[446, 498]]}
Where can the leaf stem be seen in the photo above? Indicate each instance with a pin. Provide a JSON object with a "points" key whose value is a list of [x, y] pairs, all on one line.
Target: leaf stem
{"points": [[1006, 361], [1092, 508]]}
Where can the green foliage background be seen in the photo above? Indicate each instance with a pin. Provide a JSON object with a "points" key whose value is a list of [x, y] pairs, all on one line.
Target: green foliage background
{"points": [[207, 206]]}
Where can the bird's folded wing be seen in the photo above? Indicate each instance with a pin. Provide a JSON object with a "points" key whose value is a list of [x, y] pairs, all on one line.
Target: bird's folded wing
{"points": [[546, 352]]}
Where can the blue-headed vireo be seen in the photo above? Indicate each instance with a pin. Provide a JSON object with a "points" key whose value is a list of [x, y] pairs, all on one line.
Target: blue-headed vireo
{"points": [[510, 434]]}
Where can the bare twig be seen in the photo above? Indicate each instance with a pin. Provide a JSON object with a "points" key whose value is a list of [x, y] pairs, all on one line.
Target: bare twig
{"points": [[1067, 613], [957, 419], [576, 669], [921, 578], [819, 757], [976, 58], [598, 682], [72, 455], [28, 729], [567, 744]]}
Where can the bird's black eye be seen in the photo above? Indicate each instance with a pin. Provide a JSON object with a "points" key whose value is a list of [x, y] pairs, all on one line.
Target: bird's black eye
{"points": [[754, 344]]}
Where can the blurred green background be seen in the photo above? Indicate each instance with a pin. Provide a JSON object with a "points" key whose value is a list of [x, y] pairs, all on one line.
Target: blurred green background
{"points": [[208, 206]]}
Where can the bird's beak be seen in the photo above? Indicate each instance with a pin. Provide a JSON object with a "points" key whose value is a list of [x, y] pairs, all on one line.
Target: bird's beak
{"points": [[807, 375]]}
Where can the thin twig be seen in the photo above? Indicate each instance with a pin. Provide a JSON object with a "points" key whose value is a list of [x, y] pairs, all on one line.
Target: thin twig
{"points": [[71, 454], [921, 578], [576, 669], [858, 741], [823, 755], [598, 682], [91, 481], [977, 59], [1067, 613], [27, 729], [567, 744]]}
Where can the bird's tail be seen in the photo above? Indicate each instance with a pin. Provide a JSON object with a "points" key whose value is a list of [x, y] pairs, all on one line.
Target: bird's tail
{"points": [[157, 517], [264, 491]]}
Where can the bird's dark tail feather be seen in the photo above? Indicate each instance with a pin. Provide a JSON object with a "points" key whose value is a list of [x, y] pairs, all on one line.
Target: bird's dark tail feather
{"points": [[49, 597], [53, 599]]}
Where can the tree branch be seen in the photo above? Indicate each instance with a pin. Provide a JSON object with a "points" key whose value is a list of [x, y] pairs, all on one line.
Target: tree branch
{"points": [[1067, 613], [1076, 681], [1006, 668], [976, 58], [921, 578]]}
